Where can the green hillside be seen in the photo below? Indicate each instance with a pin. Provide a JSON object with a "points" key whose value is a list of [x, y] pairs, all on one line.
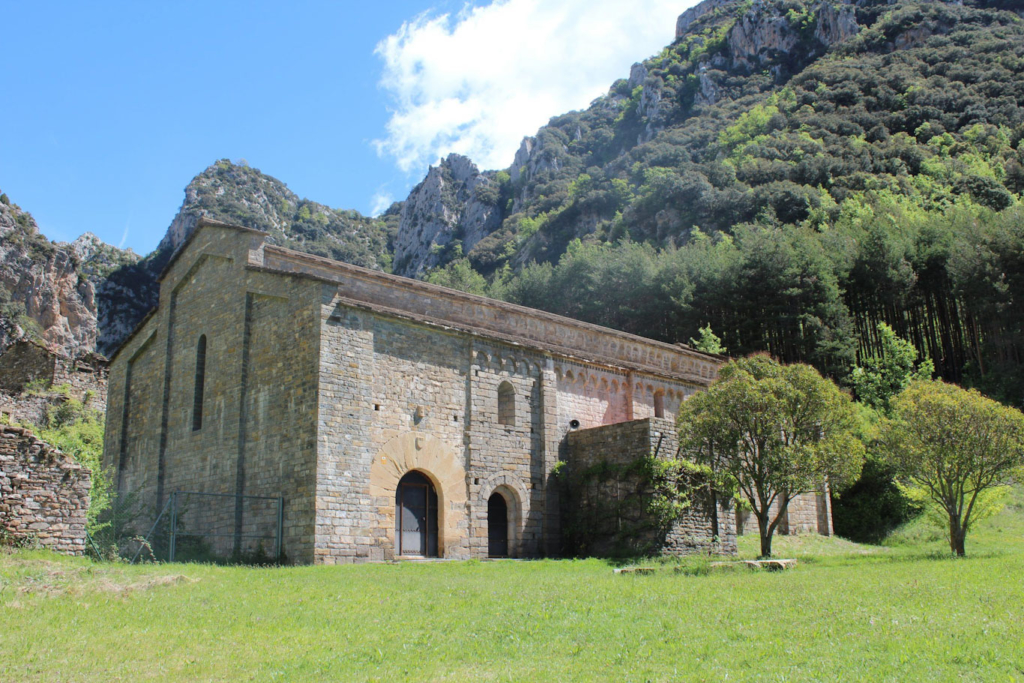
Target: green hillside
{"points": [[792, 173]]}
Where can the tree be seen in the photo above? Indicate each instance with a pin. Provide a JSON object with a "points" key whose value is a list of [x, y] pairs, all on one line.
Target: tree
{"points": [[956, 445], [777, 430], [709, 342], [459, 275], [876, 504], [882, 377]]}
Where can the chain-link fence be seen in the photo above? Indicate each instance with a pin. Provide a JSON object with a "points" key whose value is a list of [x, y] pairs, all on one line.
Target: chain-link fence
{"points": [[192, 526]]}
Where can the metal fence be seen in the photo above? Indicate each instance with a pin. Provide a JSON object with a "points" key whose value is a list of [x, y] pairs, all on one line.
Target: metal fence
{"points": [[194, 526]]}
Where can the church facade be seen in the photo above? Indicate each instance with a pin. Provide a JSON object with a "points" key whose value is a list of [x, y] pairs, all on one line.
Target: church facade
{"points": [[395, 418]]}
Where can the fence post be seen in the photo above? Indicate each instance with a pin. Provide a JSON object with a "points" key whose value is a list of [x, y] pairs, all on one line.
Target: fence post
{"points": [[280, 526], [174, 524]]}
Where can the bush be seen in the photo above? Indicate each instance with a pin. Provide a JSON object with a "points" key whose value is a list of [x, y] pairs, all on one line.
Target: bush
{"points": [[77, 430], [873, 507]]}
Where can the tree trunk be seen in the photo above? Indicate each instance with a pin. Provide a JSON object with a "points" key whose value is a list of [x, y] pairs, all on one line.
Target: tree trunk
{"points": [[957, 536], [766, 536]]}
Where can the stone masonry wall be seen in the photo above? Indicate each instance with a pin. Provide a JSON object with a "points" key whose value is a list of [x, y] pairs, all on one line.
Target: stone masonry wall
{"points": [[44, 494], [327, 400], [705, 526], [382, 378], [25, 362], [807, 513], [257, 436]]}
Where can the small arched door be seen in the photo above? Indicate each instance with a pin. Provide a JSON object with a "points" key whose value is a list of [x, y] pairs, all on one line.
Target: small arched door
{"points": [[497, 526], [415, 516]]}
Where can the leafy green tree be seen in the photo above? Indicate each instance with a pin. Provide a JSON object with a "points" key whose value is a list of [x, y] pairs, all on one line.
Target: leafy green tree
{"points": [[957, 446], [777, 430], [709, 342], [879, 378], [459, 275], [876, 504]]}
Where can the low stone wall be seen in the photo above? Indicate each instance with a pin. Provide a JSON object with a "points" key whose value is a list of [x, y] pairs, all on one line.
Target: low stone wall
{"points": [[607, 511], [44, 494], [807, 513]]}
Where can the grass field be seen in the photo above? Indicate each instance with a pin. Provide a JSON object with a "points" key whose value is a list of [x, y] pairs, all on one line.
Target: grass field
{"points": [[848, 612]]}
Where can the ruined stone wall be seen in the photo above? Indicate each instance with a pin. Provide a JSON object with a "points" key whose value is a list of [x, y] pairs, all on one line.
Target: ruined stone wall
{"points": [[23, 363], [810, 513], [25, 408], [27, 362], [607, 500], [86, 377], [44, 494]]}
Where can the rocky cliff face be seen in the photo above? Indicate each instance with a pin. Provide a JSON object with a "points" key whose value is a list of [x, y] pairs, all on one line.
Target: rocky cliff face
{"points": [[237, 193], [454, 208], [49, 290], [767, 34]]}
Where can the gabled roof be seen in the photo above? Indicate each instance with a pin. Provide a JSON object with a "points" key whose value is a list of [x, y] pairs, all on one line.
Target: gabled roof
{"points": [[440, 306]]}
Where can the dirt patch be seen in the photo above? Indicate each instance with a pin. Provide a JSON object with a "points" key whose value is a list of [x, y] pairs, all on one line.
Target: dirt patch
{"points": [[124, 589], [80, 580]]}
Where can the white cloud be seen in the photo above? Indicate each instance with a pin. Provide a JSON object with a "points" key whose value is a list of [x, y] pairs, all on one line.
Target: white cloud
{"points": [[478, 81], [382, 199]]}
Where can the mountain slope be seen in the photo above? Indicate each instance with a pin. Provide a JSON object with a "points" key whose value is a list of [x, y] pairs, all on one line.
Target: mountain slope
{"points": [[812, 168]]}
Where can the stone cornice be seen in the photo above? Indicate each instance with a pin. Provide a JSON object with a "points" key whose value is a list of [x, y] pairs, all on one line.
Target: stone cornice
{"points": [[432, 304]]}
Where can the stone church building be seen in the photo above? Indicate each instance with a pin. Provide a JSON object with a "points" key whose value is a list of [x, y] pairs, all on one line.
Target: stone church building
{"points": [[395, 418]]}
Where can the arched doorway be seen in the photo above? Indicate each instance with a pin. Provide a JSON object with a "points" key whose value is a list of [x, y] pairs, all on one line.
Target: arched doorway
{"points": [[497, 526], [415, 516]]}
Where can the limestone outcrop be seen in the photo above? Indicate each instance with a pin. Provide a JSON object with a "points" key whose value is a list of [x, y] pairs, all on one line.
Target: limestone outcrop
{"points": [[51, 287], [454, 202]]}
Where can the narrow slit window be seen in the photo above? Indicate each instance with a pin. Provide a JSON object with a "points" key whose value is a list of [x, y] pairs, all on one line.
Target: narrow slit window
{"points": [[506, 404], [197, 401]]}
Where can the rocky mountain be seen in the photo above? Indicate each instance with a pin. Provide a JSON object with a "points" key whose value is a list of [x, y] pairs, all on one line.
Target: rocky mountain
{"points": [[49, 289], [763, 105], [447, 214], [825, 139], [239, 194], [87, 295], [793, 173]]}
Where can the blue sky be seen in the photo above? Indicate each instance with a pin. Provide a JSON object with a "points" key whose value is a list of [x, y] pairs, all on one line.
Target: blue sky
{"points": [[111, 108]]}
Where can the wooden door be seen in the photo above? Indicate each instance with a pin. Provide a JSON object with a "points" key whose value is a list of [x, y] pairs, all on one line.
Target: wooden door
{"points": [[415, 516]]}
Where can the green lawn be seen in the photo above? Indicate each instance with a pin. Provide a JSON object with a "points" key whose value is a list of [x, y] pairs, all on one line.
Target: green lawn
{"points": [[904, 612]]}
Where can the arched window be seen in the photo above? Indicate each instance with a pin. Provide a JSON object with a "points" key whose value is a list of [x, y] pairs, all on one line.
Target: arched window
{"points": [[197, 399], [659, 404], [506, 404]]}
